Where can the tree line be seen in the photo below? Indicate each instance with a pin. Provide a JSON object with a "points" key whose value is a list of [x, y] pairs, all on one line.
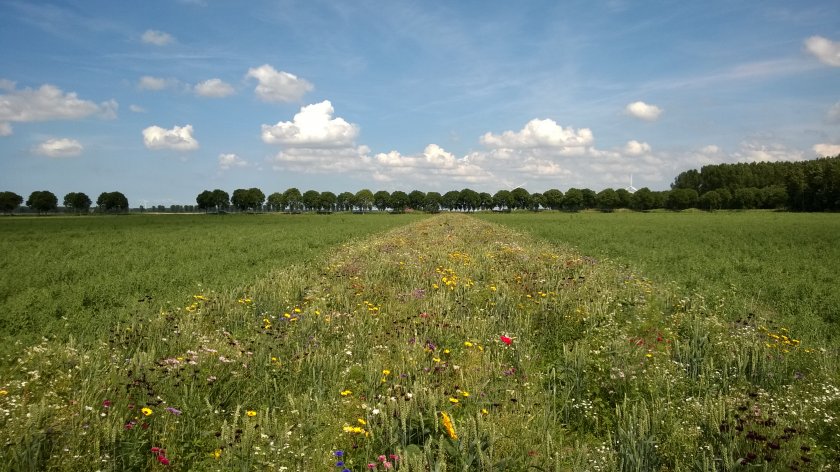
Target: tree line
{"points": [[44, 201], [798, 186], [292, 200]]}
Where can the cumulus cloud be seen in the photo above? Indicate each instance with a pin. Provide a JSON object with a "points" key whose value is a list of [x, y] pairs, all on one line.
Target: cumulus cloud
{"points": [[753, 151], [635, 148], [229, 161], [148, 82], [179, 138], [643, 111], [63, 147], [137, 109], [158, 38], [826, 50], [313, 127], [48, 103], [322, 160], [214, 88], [278, 86], [540, 134], [826, 150]]}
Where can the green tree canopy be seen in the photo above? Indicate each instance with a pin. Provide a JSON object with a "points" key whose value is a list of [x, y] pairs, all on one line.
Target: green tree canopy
{"points": [[382, 200], [78, 201], [311, 199], [416, 200], [553, 199], [607, 200], [363, 199], [112, 202], [42, 201], [9, 201]]}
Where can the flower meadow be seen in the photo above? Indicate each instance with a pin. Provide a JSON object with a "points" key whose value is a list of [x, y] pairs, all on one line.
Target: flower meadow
{"points": [[447, 344]]}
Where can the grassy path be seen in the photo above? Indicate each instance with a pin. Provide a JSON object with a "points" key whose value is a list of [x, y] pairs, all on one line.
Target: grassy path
{"points": [[448, 344]]}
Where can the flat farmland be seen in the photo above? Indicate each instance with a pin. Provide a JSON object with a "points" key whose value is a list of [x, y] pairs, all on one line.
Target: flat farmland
{"points": [[446, 343], [76, 276], [782, 266]]}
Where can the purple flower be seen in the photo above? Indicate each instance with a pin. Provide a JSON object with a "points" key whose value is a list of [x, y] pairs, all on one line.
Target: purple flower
{"points": [[174, 411], [339, 453], [339, 464]]}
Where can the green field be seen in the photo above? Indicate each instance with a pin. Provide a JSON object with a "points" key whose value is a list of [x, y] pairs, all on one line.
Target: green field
{"points": [[449, 343], [783, 266], [76, 276]]}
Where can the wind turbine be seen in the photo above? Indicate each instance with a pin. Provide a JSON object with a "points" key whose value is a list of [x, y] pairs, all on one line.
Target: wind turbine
{"points": [[631, 188]]}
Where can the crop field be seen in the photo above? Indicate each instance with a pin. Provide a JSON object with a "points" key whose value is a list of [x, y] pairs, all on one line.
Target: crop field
{"points": [[446, 343], [782, 266], [72, 276]]}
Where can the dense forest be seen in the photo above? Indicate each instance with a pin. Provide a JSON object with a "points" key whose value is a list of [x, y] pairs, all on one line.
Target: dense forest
{"points": [[797, 186]]}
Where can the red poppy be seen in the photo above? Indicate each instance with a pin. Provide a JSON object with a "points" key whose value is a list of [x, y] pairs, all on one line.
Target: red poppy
{"points": [[506, 339]]}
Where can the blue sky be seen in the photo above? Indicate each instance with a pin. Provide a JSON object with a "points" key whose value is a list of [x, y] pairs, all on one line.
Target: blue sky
{"points": [[162, 99]]}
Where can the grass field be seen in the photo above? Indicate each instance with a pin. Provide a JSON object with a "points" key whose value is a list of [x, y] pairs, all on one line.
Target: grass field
{"points": [[783, 266], [64, 276], [447, 344]]}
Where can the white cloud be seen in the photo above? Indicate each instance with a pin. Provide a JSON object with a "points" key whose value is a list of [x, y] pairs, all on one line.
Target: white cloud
{"points": [[214, 88], [49, 103], [636, 148], [5, 129], [179, 138], [63, 147], [278, 86], [158, 38], [137, 109], [322, 160], [826, 50], [148, 82], [833, 114], [7, 85], [771, 152], [827, 150], [540, 134], [312, 127], [643, 111], [228, 161]]}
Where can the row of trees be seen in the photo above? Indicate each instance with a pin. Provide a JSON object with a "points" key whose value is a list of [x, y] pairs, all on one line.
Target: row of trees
{"points": [[44, 201], [292, 200], [800, 186]]}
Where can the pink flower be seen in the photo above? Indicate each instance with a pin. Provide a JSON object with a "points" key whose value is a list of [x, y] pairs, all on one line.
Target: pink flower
{"points": [[106, 404], [372, 465], [506, 339], [163, 460], [381, 458], [387, 465]]}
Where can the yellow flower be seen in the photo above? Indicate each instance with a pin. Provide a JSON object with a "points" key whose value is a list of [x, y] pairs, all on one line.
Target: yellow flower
{"points": [[4, 392], [468, 344], [146, 411], [251, 413], [386, 372], [361, 421], [465, 393], [447, 424], [345, 393], [453, 400], [648, 355], [216, 454], [484, 411]]}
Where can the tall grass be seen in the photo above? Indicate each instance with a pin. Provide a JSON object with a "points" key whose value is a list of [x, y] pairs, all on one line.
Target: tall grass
{"points": [[782, 266], [77, 276], [429, 347]]}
